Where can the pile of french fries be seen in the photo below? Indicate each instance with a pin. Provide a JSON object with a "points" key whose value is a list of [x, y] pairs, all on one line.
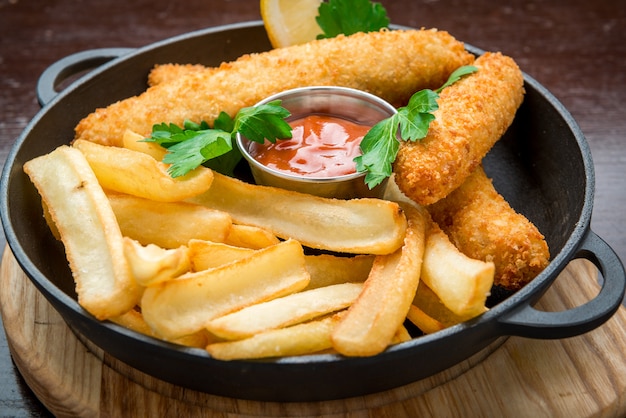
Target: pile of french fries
{"points": [[247, 271]]}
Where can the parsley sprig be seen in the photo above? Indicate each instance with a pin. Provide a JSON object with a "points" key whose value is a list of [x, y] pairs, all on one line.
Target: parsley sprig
{"points": [[348, 17], [380, 145], [196, 144]]}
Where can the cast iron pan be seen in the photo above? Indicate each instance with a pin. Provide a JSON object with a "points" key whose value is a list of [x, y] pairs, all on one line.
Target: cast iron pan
{"points": [[542, 166]]}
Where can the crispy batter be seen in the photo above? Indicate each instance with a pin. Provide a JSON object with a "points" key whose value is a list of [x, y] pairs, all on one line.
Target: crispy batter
{"points": [[163, 73], [481, 223], [473, 114], [390, 64]]}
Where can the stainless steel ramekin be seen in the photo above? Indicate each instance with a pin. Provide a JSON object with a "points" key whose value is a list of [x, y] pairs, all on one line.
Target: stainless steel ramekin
{"points": [[354, 105]]}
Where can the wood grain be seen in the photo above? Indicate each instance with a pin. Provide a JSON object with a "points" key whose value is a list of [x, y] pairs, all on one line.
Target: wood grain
{"points": [[576, 377]]}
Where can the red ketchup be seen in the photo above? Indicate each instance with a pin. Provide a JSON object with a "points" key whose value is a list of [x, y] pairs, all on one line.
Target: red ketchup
{"points": [[321, 146]]}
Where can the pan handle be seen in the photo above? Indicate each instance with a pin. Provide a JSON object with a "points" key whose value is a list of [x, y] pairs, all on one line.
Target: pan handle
{"points": [[532, 323], [73, 65]]}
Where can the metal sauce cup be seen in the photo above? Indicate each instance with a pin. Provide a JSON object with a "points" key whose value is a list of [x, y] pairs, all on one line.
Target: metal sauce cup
{"points": [[354, 105]]}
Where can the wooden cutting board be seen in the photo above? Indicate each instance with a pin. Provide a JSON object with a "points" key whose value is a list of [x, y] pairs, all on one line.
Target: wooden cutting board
{"points": [[583, 376]]}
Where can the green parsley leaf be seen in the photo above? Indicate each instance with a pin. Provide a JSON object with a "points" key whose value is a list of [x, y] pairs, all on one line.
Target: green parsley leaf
{"points": [[263, 122], [378, 156], [224, 122], [198, 148], [197, 144], [380, 145], [415, 118], [350, 16], [457, 75]]}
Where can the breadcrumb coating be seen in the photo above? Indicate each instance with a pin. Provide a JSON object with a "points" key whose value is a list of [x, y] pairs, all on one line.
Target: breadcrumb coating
{"points": [[473, 114], [389, 64], [163, 73], [482, 224]]}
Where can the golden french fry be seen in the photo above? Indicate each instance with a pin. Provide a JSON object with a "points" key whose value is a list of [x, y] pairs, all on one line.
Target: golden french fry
{"points": [[206, 254], [368, 226], [327, 269], [286, 311], [401, 335], [429, 303], [49, 221], [185, 305], [133, 141], [152, 264], [247, 236], [462, 283], [423, 321], [168, 224], [135, 173], [371, 322], [88, 229], [133, 320], [309, 337]]}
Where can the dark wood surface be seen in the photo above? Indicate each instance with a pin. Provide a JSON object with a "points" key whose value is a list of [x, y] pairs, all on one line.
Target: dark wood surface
{"points": [[575, 48]]}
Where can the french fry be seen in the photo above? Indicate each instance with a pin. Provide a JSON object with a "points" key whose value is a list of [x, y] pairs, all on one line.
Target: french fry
{"points": [[309, 337], [371, 322], [368, 226], [250, 237], [401, 335], [206, 254], [168, 224], [431, 306], [152, 264], [286, 311], [423, 321], [133, 141], [462, 283], [135, 173], [88, 229], [185, 305], [134, 321], [327, 269], [49, 221]]}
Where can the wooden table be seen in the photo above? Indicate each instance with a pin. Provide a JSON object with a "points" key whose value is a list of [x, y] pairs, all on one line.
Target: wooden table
{"points": [[575, 48]]}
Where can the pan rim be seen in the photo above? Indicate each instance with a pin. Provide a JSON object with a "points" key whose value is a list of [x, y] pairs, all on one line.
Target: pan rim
{"points": [[543, 280]]}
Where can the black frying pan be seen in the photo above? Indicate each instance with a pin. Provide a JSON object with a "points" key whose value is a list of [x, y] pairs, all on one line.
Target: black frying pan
{"points": [[542, 166]]}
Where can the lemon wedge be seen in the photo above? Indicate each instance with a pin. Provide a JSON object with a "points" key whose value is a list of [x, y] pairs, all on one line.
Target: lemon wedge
{"points": [[290, 22]]}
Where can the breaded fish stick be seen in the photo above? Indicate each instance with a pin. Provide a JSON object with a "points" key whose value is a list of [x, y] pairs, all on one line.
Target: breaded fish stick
{"points": [[473, 114], [390, 64], [163, 73], [482, 225]]}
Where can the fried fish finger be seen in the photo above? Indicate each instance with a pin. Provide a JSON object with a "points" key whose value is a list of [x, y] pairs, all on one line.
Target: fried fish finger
{"points": [[163, 73], [390, 64], [473, 114], [482, 224]]}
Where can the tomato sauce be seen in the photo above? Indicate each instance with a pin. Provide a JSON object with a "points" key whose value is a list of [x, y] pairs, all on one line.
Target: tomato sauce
{"points": [[321, 146]]}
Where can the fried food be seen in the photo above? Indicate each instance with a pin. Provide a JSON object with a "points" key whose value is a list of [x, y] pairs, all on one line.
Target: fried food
{"points": [[482, 224], [183, 306], [168, 224], [461, 283], [327, 269], [163, 73], [282, 312], [306, 338], [373, 319], [136, 173], [473, 114], [389, 64], [88, 229], [368, 226], [152, 264]]}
